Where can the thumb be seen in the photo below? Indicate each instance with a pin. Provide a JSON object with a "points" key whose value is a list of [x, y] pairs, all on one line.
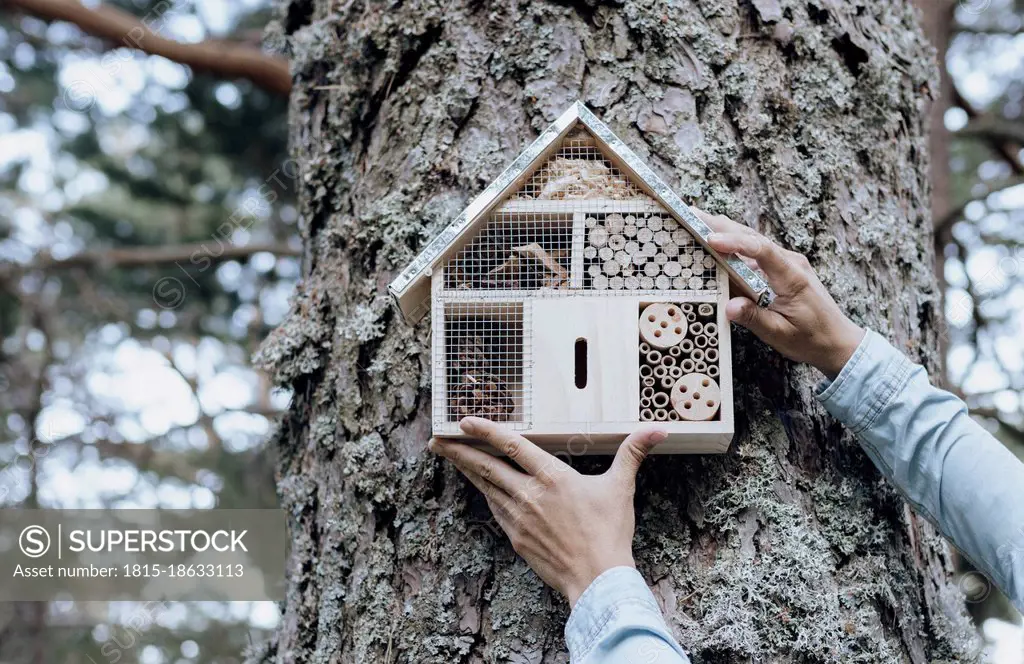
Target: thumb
{"points": [[633, 451]]}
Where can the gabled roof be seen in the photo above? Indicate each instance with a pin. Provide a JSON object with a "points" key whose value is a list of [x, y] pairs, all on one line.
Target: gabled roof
{"points": [[411, 288]]}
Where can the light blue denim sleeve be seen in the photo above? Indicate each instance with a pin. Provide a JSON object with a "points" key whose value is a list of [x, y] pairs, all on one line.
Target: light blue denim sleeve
{"points": [[617, 621], [952, 470]]}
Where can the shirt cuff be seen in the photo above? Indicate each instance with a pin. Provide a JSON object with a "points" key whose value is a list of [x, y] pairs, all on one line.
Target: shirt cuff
{"points": [[612, 591], [869, 380]]}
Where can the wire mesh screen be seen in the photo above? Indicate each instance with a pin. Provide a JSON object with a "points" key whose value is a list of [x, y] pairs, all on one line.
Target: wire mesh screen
{"points": [[516, 251], [578, 170], [486, 356], [643, 251]]}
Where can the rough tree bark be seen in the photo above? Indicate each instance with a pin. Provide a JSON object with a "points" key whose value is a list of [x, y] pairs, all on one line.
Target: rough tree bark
{"points": [[807, 120]]}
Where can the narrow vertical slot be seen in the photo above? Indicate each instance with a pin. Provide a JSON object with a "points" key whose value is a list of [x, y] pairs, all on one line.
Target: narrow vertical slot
{"points": [[581, 363]]}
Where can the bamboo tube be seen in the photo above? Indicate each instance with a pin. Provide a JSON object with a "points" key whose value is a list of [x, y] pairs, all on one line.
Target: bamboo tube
{"points": [[700, 366], [660, 415], [647, 392], [700, 341], [675, 372], [713, 371], [673, 416], [598, 236], [654, 358], [668, 360], [648, 381], [675, 351], [691, 317], [647, 415], [697, 354], [646, 371], [645, 402], [705, 310], [711, 354], [686, 307], [686, 346], [687, 365], [660, 371], [696, 329], [660, 400], [645, 348], [711, 329], [713, 341], [668, 381], [614, 223]]}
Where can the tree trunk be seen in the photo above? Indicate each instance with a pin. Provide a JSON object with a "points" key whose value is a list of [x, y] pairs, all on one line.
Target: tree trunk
{"points": [[806, 120]]}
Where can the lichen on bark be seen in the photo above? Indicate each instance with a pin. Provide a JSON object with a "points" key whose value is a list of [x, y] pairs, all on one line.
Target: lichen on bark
{"points": [[806, 120]]}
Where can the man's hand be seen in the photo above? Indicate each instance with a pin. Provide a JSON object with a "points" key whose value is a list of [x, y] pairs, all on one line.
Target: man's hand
{"points": [[569, 527], [804, 323]]}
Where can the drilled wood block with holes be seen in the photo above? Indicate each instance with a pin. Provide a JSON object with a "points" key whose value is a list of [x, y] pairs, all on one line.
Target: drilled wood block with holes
{"points": [[576, 299]]}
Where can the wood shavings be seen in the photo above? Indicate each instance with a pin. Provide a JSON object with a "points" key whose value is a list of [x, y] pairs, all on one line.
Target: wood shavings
{"points": [[581, 178]]}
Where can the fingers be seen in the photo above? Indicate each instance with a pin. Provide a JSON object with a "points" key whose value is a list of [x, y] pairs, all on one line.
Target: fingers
{"points": [[471, 460], [633, 451], [783, 272], [768, 325], [719, 223], [530, 458]]}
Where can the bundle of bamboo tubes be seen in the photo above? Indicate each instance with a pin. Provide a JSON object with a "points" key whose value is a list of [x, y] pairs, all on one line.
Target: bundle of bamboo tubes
{"points": [[679, 362]]}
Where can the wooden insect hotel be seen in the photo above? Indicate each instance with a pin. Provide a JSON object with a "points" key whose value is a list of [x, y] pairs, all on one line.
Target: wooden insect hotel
{"points": [[576, 298]]}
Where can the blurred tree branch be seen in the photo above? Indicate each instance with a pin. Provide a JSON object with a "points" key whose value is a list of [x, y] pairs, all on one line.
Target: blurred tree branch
{"points": [[221, 58], [144, 256], [1005, 150], [989, 30], [991, 128]]}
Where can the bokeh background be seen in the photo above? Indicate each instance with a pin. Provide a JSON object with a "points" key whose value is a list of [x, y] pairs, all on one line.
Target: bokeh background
{"points": [[149, 241]]}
